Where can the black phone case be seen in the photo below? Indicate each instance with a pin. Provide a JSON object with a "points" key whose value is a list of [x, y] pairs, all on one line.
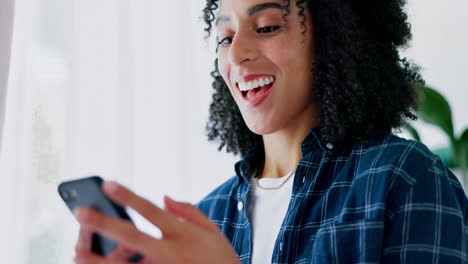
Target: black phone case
{"points": [[87, 192]]}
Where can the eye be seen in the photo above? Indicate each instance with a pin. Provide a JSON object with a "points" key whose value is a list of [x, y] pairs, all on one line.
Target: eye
{"points": [[266, 30], [225, 41]]}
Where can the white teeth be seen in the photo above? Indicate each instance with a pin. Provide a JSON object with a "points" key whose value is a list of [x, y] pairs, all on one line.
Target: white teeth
{"points": [[256, 83], [242, 87]]}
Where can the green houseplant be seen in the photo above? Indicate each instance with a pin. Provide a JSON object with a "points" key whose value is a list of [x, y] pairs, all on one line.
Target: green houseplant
{"points": [[434, 109]]}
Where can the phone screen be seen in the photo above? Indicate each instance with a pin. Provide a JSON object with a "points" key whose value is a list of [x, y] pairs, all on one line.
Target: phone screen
{"points": [[87, 192]]}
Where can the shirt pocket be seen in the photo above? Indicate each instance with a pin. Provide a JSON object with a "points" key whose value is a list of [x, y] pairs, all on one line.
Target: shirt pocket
{"points": [[351, 242]]}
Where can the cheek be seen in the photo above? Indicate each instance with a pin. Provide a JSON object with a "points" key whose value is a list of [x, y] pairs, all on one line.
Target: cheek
{"points": [[277, 52], [282, 56], [223, 69]]}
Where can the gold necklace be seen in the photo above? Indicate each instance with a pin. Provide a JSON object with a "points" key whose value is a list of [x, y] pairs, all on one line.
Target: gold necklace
{"points": [[279, 186]]}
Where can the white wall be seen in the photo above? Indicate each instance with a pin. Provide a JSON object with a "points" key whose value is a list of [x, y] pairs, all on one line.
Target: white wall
{"points": [[440, 46]]}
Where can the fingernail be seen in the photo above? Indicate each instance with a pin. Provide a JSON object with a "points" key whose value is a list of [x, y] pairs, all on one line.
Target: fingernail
{"points": [[76, 211], [168, 201], [81, 214], [168, 198], [111, 186]]}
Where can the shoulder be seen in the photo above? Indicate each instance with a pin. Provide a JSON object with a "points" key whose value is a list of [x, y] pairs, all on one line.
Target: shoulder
{"points": [[398, 168], [219, 198], [423, 194], [399, 158], [396, 150], [416, 176]]}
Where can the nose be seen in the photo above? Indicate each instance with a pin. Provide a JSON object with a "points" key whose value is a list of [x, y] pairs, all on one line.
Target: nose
{"points": [[243, 48]]}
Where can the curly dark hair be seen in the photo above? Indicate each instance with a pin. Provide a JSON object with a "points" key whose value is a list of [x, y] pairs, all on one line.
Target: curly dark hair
{"points": [[363, 86]]}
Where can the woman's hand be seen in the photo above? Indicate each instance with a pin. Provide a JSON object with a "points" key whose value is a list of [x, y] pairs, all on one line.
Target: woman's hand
{"points": [[188, 235]]}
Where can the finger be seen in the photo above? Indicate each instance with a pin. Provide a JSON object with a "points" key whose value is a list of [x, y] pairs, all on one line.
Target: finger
{"points": [[121, 253], [84, 239], [123, 232], [190, 213], [86, 257], [165, 221]]}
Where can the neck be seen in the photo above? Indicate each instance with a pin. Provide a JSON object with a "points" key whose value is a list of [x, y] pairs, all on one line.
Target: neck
{"points": [[283, 148]]}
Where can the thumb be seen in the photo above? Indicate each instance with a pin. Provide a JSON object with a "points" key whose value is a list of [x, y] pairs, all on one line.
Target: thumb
{"points": [[189, 213]]}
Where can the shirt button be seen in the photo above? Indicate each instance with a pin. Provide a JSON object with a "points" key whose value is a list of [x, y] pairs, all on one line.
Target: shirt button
{"points": [[303, 179], [240, 206], [330, 146], [281, 246]]}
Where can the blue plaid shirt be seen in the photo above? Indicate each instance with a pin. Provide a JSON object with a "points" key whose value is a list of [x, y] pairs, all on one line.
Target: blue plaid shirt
{"points": [[387, 201]]}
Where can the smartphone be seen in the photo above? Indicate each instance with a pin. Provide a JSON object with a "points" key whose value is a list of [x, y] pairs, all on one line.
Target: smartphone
{"points": [[87, 192]]}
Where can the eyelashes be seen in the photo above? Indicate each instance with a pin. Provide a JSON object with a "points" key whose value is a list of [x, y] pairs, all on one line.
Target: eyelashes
{"points": [[268, 29], [226, 41]]}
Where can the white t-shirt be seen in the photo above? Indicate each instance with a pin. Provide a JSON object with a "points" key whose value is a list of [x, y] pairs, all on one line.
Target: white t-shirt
{"points": [[266, 211]]}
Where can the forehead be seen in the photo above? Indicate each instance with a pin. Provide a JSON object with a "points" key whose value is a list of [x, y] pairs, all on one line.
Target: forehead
{"points": [[233, 9], [230, 8]]}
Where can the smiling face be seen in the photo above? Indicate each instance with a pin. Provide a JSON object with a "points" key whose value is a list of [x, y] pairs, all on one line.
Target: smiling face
{"points": [[266, 63]]}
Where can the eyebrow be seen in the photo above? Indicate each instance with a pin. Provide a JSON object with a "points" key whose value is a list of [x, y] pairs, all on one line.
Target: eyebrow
{"points": [[252, 10]]}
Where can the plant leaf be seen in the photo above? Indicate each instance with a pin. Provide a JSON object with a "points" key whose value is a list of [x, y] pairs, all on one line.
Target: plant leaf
{"points": [[463, 146], [446, 155], [462, 151], [413, 132], [434, 109]]}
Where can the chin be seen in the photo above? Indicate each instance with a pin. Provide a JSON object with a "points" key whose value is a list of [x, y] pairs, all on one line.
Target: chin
{"points": [[261, 127]]}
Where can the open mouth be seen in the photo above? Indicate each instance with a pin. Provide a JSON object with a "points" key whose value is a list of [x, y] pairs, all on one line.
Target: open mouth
{"points": [[251, 88], [255, 92]]}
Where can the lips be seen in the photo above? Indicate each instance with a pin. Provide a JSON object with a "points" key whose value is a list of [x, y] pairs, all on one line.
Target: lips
{"points": [[255, 96]]}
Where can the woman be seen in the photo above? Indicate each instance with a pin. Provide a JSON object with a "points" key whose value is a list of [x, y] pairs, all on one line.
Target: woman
{"points": [[308, 93]]}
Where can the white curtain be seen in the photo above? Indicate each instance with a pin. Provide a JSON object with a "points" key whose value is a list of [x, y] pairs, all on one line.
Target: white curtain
{"points": [[6, 25], [119, 89], [8, 211]]}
